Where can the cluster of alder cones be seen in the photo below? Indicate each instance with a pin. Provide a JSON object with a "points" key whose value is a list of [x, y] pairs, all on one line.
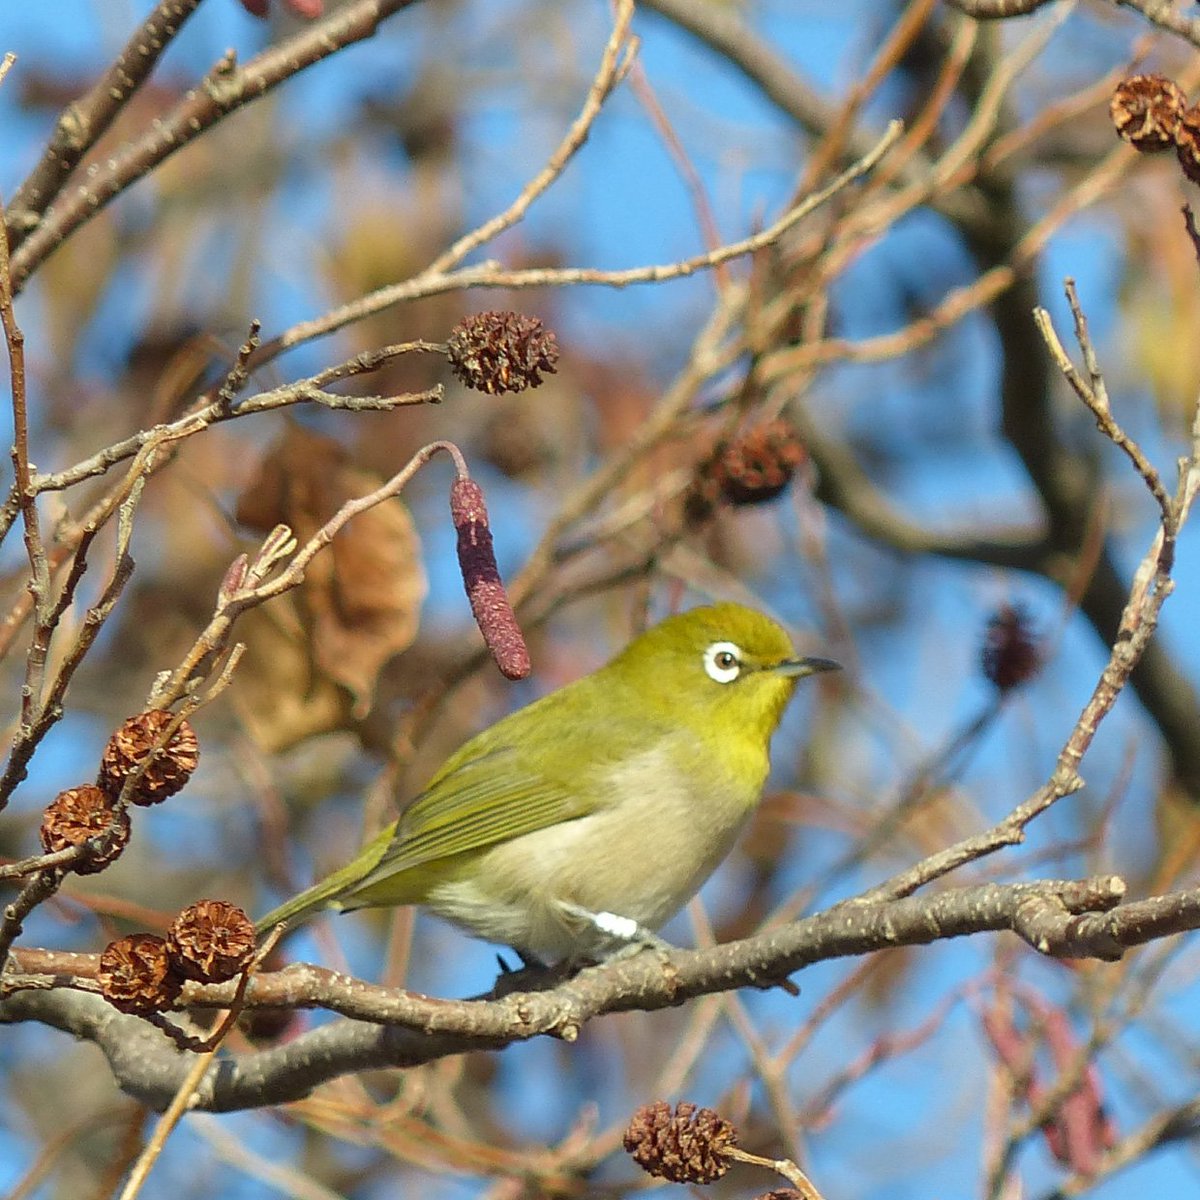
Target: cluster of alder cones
{"points": [[210, 941], [149, 758], [1152, 114]]}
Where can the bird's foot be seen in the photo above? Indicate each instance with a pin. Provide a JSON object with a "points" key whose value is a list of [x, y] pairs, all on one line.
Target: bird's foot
{"points": [[532, 976]]}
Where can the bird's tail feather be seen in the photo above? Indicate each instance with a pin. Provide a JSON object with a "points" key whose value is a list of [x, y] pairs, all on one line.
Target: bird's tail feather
{"points": [[335, 891]]}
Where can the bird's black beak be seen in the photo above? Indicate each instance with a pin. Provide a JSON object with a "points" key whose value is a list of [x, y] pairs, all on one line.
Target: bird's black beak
{"points": [[800, 667]]}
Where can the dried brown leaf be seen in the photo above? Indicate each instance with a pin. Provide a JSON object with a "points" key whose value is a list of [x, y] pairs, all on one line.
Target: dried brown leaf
{"points": [[359, 604]]}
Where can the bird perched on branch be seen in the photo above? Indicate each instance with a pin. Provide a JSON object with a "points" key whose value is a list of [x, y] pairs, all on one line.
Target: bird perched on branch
{"points": [[578, 826]]}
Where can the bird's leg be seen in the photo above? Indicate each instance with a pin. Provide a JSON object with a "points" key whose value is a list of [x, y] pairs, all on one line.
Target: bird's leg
{"points": [[629, 936]]}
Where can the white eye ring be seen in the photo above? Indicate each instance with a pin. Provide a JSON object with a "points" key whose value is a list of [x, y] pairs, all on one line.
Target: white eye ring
{"points": [[723, 662]]}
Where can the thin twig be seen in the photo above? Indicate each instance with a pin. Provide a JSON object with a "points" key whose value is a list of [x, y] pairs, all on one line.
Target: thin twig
{"points": [[41, 862], [615, 62], [224, 90], [26, 498], [83, 121], [183, 1098], [234, 602], [781, 1166], [49, 711], [1093, 392], [301, 392], [1151, 586], [239, 371], [491, 275], [41, 887]]}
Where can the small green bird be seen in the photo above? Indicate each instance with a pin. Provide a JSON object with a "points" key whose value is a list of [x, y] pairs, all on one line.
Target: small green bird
{"points": [[581, 824]]}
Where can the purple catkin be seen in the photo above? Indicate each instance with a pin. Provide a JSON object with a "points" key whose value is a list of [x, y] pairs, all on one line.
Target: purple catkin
{"points": [[485, 589]]}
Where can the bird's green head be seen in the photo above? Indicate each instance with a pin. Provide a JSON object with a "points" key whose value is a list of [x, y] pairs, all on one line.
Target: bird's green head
{"points": [[723, 666]]}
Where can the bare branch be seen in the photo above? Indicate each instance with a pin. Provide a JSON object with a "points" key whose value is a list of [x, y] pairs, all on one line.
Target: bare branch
{"points": [[413, 1029], [83, 121], [226, 89]]}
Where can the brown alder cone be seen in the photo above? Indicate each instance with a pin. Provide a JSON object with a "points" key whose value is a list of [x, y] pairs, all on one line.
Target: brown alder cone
{"points": [[752, 468], [685, 1146], [136, 974], [1011, 653], [137, 737], [498, 352], [211, 941], [1145, 110], [1187, 143], [81, 813]]}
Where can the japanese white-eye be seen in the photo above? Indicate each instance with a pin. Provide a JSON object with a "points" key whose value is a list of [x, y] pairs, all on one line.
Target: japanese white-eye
{"points": [[583, 822]]}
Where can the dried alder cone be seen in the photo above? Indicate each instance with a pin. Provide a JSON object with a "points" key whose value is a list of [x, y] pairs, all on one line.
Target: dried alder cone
{"points": [[1187, 143], [1011, 653], [1145, 110], [211, 941], [498, 352], [1152, 114], [137, 738], [685, 1146], [137, 974], [81, 813], [752, 468]]}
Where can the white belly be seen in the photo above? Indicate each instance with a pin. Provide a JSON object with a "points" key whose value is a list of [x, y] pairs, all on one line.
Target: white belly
{"points": [[642, 858]]}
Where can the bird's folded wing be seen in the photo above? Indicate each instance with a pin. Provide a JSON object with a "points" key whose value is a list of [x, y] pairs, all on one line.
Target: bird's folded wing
{"points": [[479, 803]]}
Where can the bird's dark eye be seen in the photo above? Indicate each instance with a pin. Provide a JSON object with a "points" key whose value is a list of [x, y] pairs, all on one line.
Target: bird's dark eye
{"points": [[723, 662]]}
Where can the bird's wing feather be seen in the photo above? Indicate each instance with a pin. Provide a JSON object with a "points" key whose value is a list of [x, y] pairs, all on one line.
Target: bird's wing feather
{"points": [[477, 803], [516, 778]]}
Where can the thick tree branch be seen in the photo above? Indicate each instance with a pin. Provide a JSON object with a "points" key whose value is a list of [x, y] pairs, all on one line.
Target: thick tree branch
{"points": [[406, 1029]]}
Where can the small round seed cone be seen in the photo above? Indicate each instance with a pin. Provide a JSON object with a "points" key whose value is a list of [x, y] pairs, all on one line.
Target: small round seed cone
{"points": [[211, 941], [171, 767], [497, 352], [136, 974], [685, 1146], [79, 814]]}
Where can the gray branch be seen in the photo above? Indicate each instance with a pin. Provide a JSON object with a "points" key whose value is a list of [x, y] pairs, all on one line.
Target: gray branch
{"points": [[385, 1027]]}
